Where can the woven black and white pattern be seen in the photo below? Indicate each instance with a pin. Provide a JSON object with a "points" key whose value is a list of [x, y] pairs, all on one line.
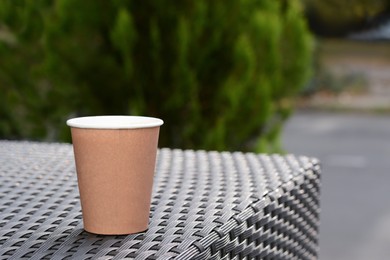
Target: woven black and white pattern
{"points": [[206, 205]]}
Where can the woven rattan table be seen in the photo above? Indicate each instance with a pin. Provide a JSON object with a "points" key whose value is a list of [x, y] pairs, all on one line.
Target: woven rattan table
{"points": [[206, 205]]}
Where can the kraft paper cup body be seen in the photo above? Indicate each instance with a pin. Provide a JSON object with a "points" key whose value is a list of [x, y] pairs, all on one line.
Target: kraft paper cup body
{"points": [[115, 161]]}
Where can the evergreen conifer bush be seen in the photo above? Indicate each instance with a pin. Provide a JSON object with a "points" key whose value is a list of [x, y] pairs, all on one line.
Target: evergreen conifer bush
{"points": [[222, 74]]}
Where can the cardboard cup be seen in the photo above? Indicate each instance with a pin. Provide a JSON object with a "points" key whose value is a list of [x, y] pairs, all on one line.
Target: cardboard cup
{"points": [[115, 161]]}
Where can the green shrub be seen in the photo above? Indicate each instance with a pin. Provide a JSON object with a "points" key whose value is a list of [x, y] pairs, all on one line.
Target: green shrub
{"points": [[222, 74]]}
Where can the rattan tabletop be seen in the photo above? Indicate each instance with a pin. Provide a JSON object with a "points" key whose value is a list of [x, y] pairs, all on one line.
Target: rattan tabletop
{"points": [[205, 205]]}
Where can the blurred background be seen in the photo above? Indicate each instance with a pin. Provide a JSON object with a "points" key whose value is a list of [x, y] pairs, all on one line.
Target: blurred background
{"points": [[296, 76], [342, 117]]}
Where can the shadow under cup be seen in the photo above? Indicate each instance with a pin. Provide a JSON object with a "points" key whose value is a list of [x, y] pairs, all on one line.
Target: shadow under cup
{"points": [[115, 161]]}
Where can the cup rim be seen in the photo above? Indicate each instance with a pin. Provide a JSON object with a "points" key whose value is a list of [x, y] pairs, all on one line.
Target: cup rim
{"points": [[114, 122]]}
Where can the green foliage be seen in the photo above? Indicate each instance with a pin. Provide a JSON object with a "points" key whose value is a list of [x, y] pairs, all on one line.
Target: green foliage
{"points": [[337, 18], [222, 74]]}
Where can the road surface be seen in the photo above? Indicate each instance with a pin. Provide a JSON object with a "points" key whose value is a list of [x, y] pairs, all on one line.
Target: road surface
{"points": [[355, 205]]}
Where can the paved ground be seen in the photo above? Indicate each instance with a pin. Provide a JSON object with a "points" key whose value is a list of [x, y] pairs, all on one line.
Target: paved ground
{"points": [[355, 154]]}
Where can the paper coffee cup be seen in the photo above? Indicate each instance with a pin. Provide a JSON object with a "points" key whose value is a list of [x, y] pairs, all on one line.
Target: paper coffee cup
{"points": [[115, 161]]}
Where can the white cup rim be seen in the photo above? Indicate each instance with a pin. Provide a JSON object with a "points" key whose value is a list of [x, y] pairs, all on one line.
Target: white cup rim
{"points": [[114, 122]]}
